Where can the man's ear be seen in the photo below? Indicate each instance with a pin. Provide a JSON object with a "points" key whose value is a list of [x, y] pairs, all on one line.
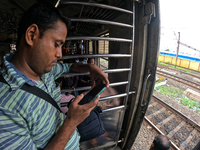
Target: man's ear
{"points": [[152, 146], [31, 34]]}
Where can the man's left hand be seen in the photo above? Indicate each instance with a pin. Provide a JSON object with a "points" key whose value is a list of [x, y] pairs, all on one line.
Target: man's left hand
{"points": [[96, 75]]}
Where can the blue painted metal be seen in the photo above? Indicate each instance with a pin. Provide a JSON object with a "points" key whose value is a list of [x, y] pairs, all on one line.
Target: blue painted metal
{"points": [[196, 59]]}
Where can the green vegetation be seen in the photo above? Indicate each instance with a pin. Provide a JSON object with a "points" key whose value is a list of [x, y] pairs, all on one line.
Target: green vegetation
{"points": [[183, 69], [190, 103], [103, 61], [170, 91], [173, 92], [158, 82]]}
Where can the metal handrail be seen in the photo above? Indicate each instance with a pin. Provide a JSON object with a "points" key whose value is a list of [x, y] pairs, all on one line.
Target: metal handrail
{"points": [[97, 38], [89, 87], [94, 56], [115, 108], [106, 71], [99, 5], [101, 22], [116, 70], [116, 96]]}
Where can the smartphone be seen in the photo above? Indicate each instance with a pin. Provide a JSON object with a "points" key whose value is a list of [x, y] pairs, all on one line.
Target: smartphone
{"points": [[93, 93]]}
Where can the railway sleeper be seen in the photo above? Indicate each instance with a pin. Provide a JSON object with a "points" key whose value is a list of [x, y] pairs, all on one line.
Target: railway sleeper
{"points": [[157, 112], [160, 124], [187, 141], [171, 133]]}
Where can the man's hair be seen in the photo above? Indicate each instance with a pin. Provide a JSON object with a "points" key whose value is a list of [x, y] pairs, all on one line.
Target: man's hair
{"points": [[90, 59], [44, 16], [161, 142]]}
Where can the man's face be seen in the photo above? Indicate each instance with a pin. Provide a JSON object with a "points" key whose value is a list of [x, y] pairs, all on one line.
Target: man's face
{"points": [[47, 49], [91, 61]]}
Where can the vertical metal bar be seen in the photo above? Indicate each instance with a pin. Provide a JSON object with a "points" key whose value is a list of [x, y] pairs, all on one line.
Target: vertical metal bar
{"points": [[132, 51], [131, 65], [104, 46], [178, 42]]}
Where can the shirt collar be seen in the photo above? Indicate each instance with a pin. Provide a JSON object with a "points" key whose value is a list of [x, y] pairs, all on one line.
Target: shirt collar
{"points": [[12, 75]]}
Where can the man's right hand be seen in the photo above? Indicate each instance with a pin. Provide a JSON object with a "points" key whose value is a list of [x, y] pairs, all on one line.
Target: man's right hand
{"points": [[77, 113]]}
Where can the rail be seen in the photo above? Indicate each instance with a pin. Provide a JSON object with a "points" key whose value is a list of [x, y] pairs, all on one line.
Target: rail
{"points": [[160, 132], [172, 122], [178, 112]]}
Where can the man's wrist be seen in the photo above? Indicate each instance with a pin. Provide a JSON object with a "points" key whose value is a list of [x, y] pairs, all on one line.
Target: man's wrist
{"points": [[69, 123]]}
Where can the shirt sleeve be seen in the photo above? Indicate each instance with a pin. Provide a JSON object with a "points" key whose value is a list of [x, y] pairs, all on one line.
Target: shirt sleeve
{"points": [[76, 79], [13, 132], [60, 68]]}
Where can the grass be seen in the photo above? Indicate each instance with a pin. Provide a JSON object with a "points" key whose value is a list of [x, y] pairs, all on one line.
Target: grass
{"points": [[169, 65], [173, 92], [190, 103], [158, 82], [103, 61]]}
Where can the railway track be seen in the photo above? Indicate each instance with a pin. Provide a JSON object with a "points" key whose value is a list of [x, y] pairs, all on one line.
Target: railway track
{"points": [[197, 75], [192, 84], [181, 130]]}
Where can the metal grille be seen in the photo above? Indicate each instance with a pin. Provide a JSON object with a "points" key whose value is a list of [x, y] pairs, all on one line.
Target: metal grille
{"points": [[90, 18]]}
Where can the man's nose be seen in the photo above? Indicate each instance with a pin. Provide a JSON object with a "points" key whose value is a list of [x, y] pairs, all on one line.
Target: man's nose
{"points": [[59, 53]]}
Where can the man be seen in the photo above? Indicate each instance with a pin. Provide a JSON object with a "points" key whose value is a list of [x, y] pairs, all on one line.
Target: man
{"points": [[197, 147], [90, 61], [27, 121], [160, 142]]}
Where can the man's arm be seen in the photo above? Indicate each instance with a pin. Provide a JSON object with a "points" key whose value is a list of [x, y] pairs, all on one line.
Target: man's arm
{"points": [[75, 115], [14, 131], [95, 72]]}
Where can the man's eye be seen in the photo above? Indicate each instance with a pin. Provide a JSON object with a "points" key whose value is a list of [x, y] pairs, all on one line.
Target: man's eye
{"points": [[56, 45]]}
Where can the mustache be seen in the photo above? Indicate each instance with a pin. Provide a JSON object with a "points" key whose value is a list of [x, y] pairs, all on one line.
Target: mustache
{"points": [[54, 61]]}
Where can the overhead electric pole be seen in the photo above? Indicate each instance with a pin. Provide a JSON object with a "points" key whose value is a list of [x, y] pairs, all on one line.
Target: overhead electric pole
{"points": [[178, 42]]}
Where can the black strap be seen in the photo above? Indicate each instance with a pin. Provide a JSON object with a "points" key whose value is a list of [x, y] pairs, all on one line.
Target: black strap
{"points": [[36, 91]]}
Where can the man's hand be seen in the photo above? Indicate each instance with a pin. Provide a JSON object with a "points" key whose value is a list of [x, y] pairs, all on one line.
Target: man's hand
{"points": [[96, 73], [77, 113]]}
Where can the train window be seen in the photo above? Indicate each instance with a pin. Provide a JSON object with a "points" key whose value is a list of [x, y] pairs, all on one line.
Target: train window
{"points": [[123, 38]]}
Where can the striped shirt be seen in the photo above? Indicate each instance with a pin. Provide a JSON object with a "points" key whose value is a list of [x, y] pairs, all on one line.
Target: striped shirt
{"points": [[27, 121]]}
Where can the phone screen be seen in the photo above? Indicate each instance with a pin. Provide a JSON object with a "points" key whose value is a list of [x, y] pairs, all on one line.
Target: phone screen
{"points": [[93, 93]]}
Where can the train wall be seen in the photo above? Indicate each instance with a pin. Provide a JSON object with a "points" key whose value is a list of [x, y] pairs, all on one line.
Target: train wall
{"points": [[182, 61]]}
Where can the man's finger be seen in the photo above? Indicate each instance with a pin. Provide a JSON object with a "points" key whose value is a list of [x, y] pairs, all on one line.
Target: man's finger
{"points": [[93, 83], [107, 82], [93, 103], [78, 98]]}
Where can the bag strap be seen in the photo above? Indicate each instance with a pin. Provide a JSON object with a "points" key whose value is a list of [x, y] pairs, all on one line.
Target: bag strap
{"points": [[36, 91]]}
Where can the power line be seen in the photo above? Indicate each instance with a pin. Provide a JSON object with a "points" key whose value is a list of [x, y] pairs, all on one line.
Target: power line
{"points": [[189, 46]]}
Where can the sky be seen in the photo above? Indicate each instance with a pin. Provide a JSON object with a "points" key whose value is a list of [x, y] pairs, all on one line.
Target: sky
{"points": [[181, 17]]}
